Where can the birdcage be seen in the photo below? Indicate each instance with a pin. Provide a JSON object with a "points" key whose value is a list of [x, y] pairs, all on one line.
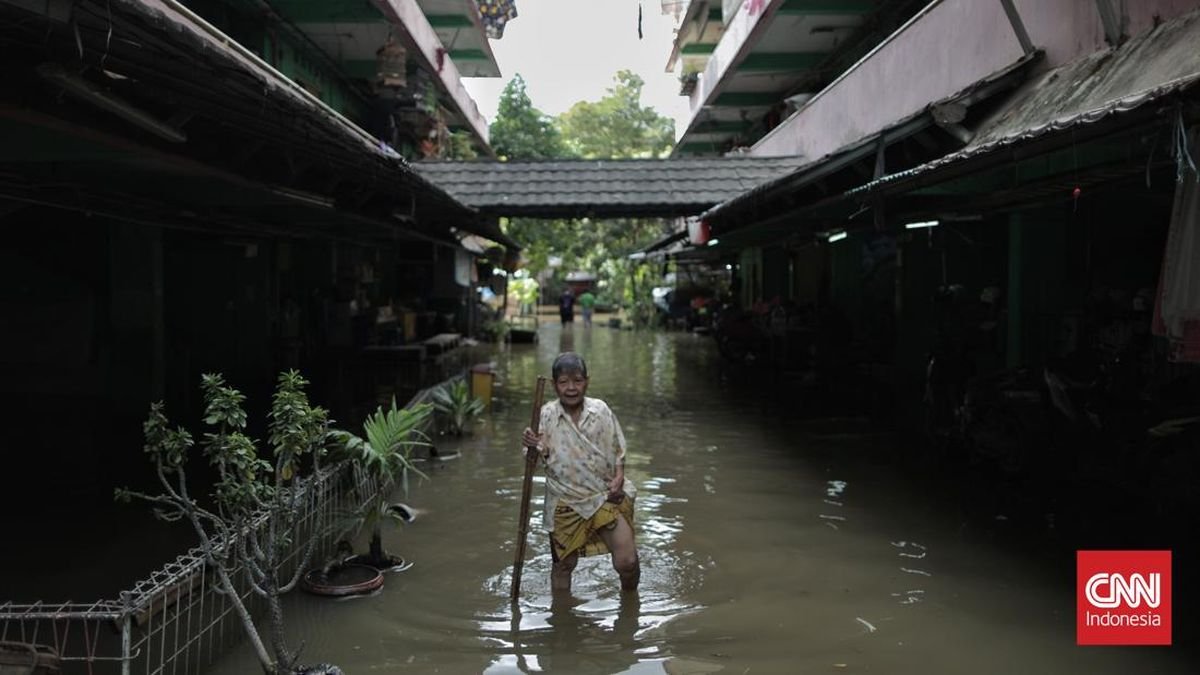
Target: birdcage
{"points": [[391, 65]]}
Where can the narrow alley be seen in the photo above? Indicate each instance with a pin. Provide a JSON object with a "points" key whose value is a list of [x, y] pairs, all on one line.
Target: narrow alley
{"points": [[768, 545]]}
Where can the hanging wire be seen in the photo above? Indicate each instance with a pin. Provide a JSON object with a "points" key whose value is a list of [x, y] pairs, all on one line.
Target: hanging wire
{"points": [[108, 35], [1075, 170], [1183, 154]]}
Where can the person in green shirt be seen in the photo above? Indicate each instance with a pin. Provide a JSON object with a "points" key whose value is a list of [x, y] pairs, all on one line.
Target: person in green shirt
{"points": [[587, 302]]}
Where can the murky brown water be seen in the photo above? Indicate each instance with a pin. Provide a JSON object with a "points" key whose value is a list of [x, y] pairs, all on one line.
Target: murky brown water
{"points": [[767, 545]]}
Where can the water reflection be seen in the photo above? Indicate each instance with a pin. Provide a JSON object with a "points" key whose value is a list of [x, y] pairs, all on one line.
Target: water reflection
{"points": [[766, 547], [574, 635]]}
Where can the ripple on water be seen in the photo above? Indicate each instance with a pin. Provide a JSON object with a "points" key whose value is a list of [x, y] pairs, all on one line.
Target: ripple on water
{"points": [[738, 576], [596, 618]]}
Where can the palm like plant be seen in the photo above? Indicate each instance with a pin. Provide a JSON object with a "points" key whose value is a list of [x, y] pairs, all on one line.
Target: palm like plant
{"points": [[386, 457], [455, 402]]}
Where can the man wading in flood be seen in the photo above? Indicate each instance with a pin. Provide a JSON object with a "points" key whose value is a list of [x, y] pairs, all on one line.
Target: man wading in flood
{"points": [[589, 504]]}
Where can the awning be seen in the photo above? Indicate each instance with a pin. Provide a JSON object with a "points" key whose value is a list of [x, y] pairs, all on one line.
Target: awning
{"points": [[1073, 102], [196, 128], [665, 242], [1103, 101], [782, 193]]}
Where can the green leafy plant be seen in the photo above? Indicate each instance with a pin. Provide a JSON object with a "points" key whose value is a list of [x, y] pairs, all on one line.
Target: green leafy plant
{"points": [[521, 131], [456, 405], [258, 503], [495, 330], [525, 291], [687, 83], [385, 457], [638, 302]]}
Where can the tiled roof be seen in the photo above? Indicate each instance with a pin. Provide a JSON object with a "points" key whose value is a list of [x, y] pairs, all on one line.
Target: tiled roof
{"points": [[599, 188]]}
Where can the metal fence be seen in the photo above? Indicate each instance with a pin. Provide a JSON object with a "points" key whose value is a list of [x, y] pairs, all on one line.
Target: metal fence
{"points": [[175, 621]]}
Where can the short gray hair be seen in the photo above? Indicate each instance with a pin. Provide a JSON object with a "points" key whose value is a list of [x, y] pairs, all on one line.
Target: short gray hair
{"points": [[568, 361]]}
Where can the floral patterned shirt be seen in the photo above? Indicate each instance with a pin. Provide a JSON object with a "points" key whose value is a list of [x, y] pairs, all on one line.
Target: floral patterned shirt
{"points": [[580, 459]]}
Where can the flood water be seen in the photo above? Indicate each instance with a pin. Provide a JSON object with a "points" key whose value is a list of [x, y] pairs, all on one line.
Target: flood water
{"points": [[768, 545]]}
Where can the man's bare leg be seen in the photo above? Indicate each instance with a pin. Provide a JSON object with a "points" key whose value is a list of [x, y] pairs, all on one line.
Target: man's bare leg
{"points": [[560, 573], [624, 553]]}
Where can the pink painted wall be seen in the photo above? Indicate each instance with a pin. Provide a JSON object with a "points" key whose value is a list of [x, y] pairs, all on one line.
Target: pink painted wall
{"points": [[1068, 29], [1141, 13], [950, 45], [731, 45]]}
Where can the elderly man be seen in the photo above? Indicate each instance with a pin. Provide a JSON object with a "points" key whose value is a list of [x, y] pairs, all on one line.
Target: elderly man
{"points": [[589, 503]]}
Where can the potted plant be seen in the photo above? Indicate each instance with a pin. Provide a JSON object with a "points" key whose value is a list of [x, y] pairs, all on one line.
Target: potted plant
{"points": [[257, 505], [687, 83], [384, 459], [495, 330], [456, 405]]}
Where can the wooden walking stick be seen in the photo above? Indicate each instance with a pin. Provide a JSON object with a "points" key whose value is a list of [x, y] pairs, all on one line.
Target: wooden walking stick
{"points": [[531, 457]]}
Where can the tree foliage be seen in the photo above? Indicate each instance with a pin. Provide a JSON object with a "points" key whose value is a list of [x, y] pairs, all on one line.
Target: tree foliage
{"points": [[459, 146], [601, 246], [617, 126], [521, 131]]}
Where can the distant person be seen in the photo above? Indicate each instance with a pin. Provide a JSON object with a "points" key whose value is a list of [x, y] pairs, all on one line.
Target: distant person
{"points": [[587, 302], [566, 307], [589, 503]]}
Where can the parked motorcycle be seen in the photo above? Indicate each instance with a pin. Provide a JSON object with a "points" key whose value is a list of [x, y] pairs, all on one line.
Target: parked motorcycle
{"points": [[1004, 421], [742, 337]]}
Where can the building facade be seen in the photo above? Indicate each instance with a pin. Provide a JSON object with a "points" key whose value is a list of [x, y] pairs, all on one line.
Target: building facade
{"points": [[222, 187]]}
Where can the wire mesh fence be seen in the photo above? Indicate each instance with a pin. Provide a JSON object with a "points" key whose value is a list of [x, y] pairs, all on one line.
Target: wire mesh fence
{"points": [[177, 620]]}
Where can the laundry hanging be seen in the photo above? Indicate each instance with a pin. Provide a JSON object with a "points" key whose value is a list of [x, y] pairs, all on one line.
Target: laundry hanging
{"points": [[1177, 310], [495, 14]]}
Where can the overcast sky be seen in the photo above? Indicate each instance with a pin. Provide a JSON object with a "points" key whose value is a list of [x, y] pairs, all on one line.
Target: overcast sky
{"points": [[569, 50]]}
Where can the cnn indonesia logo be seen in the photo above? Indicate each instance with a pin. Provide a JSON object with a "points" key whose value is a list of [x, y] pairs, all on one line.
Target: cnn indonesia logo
{"points": [[1123, 598]]}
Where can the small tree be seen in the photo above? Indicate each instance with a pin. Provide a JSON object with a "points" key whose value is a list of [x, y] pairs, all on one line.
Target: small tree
{"points": [[617, 125], [255, 517], [385, 456], [521, 131], [456, 405]]}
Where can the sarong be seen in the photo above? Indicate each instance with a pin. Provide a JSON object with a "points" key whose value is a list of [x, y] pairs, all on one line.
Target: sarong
{"points": [[574, 533]]}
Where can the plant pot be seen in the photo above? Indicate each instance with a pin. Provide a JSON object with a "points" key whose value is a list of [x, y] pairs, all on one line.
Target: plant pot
{"points": [[393, 563], [347, 579], [319, 669], [21, 658]]}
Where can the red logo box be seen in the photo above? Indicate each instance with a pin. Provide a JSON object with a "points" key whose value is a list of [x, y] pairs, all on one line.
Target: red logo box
{"points": [[1123, 598]]}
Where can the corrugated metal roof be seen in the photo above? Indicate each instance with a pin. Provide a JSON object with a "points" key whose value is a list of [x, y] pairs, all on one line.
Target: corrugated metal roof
{"points": [[571, 188], [1155, 64], [226, 81], [1003, 79]]}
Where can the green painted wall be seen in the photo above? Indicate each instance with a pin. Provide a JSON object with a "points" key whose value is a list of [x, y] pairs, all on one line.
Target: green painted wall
{"points": [[845, 276], [776, 273], [807, 270], [1044, 285], [750, 276], [296, 58]]}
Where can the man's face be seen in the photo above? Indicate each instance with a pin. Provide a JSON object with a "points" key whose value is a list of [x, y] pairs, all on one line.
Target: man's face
{"points": [[571, 386]]}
